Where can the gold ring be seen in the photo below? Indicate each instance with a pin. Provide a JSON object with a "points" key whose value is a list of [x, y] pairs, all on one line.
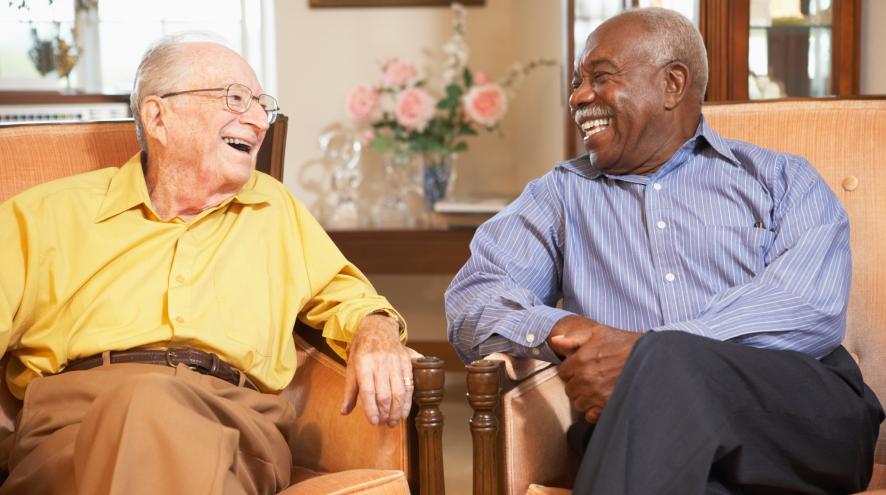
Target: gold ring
{"points": [[408, 382]]}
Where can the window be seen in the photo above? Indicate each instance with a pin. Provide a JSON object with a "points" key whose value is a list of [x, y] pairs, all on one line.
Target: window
{"points": [[23, 31], [111, 35]]}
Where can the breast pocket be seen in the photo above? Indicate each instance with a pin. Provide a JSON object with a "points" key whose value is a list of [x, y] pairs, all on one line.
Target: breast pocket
{"points": [[728, 255]]}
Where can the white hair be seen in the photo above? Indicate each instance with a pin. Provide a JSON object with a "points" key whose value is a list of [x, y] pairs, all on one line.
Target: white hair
{"points": [[675, 39], [161, 68]]}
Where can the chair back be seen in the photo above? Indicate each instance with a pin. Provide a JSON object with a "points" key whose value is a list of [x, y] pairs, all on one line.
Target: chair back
{"points": [[845, 140], [32, 154]]}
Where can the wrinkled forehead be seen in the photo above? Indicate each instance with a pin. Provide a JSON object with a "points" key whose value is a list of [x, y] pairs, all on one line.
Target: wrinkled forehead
{"points": [[618, 39], [214, 65]]}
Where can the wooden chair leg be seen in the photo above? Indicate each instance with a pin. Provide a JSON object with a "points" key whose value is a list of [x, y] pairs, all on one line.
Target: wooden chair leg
{"points": [[429, 377], [484, 392]]}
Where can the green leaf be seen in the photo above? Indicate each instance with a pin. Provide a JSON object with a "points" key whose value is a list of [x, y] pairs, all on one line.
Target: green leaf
{"points": [[468, 77], [453, 91], [466, 130], [460, 146]]}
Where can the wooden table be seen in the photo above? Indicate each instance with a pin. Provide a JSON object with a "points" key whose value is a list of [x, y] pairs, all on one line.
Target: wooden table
{"points": [[405, 252]]}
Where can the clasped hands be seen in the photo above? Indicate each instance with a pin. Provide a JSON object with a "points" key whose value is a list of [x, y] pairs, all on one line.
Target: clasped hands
{"points": [[594, 357], [379, 371]]}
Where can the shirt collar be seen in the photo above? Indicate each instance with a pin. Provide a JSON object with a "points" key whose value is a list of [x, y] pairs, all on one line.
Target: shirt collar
{"points": [[703, 134], [128, 189], [716, 141]]}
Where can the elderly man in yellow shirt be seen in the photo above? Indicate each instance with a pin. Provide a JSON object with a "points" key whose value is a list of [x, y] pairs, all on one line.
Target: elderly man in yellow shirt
{"points": [[184, 255]]}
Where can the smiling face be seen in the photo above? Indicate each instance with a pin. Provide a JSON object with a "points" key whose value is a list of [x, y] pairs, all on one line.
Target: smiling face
{"points": [[623, 102], [203, 137]]}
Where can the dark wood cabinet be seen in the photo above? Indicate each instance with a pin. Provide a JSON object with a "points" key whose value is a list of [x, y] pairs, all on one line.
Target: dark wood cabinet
{"points": [[726, 27]]}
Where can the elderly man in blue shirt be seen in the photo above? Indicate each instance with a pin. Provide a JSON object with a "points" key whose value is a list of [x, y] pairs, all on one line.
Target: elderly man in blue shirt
{"points": [[703, 281]]}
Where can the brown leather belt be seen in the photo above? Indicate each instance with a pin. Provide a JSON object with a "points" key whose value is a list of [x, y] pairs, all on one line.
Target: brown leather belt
{"points": [[199, 361]]}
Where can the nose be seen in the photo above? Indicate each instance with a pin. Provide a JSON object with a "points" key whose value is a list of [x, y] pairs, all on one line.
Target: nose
{"points": [[581, 95], [255, 116]]}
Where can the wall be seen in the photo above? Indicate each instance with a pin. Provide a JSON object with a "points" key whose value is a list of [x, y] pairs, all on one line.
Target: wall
{"points": [[323, 53], [873, 42]]}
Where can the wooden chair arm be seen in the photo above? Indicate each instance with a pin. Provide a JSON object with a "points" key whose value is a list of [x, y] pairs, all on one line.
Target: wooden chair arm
{"points": [[519, 425], [326, 441]]}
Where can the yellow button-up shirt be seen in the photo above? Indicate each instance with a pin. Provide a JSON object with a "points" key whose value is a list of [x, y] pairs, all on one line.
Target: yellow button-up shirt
{"points": [[87, 266]]}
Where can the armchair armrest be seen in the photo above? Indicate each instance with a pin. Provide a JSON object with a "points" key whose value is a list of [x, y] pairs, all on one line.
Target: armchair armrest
{"points": [[326, 441], [519, 425]]}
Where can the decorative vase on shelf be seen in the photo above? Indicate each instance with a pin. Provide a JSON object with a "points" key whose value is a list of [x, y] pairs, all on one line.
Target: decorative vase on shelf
{"points": [[343, 152], [438, 177], [392, 212]]}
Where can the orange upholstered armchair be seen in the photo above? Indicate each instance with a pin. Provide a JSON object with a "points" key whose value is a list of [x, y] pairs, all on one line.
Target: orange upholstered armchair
{"points": [[520, 433], [334, 454]]}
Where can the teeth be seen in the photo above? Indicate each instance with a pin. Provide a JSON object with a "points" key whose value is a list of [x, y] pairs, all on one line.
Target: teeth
{"points": [[591, 124], [234, 141]]}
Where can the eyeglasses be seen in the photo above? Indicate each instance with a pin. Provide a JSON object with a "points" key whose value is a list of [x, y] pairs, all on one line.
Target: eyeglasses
{"points": [[238, 98]]}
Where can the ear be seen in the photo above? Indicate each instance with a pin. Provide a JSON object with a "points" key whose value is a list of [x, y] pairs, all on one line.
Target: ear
{"points": [[676, 84], [152, 114]]}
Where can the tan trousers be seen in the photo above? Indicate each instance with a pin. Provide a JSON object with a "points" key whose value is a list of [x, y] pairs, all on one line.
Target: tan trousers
{"points": [[141, 428]]}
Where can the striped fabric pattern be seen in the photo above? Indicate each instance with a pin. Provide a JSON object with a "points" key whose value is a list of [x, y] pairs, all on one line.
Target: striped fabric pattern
{"points": [[726, 240]]}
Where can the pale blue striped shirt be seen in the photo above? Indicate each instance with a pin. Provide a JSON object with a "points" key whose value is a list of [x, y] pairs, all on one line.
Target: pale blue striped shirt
{"points": [[726, 240]]}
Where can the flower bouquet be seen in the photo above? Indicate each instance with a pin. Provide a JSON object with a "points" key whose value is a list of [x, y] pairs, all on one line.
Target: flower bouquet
{"points": [[405, 116]]}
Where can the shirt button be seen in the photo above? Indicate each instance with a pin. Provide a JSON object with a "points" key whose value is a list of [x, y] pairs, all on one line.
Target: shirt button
{"points": [[530, 338], [179, 319], [661, 224], [535, 351], [656, 186], [180, 279], [670, 277]]}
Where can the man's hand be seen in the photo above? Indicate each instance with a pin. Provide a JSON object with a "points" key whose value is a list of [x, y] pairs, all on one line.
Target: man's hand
{"points": [[595, 355], [380, 371]]}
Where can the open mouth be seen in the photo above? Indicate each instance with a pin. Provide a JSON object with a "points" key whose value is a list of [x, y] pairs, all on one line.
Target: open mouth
{"points": [[593, 126], [238, 144]]}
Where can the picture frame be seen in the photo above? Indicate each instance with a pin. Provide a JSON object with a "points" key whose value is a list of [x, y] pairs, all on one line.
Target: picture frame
{"points": [[391, 3]]}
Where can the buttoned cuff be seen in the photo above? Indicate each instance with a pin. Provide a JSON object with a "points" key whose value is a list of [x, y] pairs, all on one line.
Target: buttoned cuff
{"points": [[395, 315], [533, 330]]}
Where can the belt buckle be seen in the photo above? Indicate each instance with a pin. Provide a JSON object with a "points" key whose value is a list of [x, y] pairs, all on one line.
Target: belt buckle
{"points": [[170, 357], [172, 363]]}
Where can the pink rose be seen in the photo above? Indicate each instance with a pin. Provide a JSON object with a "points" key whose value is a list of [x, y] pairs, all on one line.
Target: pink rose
{"points": [[486, 104], [368, 136], [481, 78], [397, 73], [363, 104], [414, 109]]}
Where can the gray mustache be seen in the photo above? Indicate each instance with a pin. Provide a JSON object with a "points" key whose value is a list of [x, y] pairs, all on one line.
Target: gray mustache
{"points": [[586, 112]]}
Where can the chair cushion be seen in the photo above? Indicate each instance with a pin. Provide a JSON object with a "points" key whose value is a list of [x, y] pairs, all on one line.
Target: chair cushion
{"points": [[876, 487], [544, 490], [355, 481], [878, 479]]}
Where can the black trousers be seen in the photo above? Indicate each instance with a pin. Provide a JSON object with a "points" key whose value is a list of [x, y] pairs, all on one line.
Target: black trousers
{"points": [[691, 415]]}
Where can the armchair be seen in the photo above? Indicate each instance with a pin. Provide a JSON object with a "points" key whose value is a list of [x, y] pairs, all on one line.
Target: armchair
{"points": [[340, 454], [520, 420]]}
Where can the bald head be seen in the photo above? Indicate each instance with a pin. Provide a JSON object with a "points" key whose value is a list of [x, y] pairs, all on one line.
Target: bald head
{"points": [[670, 37], [173, 62]]}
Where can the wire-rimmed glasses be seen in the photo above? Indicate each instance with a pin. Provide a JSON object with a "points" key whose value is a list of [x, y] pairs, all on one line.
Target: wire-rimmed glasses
{"points": [[238, 98]]}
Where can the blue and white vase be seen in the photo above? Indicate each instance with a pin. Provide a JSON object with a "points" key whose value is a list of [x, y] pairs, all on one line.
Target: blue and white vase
{"points": [[438, 176]]}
